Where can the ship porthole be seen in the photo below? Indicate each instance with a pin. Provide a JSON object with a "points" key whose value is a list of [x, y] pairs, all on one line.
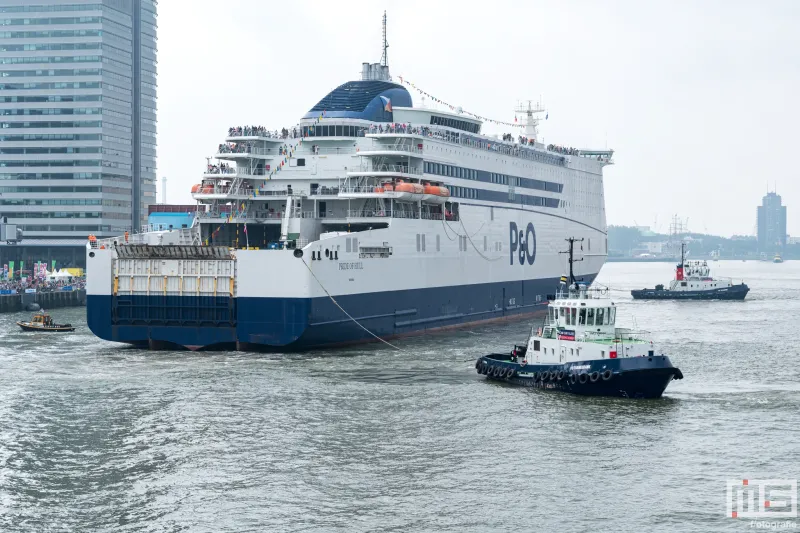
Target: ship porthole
{"points": [[91, 254]]}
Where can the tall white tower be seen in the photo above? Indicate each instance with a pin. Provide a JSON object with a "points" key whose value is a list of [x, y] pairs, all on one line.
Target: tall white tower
{"points": [[529, 110], [164, 190]]}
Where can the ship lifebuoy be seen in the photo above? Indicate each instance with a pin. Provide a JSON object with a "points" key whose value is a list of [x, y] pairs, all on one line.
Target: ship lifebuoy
{"points": [[594, 376], [607, 374], [583, 378]]}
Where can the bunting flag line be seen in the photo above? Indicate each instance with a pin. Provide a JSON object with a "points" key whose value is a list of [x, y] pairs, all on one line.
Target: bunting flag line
{"points": [[514, 124]]}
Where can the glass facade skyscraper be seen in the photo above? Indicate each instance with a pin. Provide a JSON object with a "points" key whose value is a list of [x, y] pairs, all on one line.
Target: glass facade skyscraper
{"points": [[771, 224], [77, 121]]}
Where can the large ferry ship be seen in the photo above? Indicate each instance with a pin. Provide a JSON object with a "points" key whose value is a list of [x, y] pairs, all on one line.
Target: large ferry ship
{"points": [[370, 218]]}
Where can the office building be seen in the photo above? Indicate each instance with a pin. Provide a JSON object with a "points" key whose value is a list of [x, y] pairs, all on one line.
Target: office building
{"points": [[771, 224], [77, 122]]}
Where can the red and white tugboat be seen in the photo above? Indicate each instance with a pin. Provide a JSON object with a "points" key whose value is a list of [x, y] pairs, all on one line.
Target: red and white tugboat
{"points": [[693, 281]]}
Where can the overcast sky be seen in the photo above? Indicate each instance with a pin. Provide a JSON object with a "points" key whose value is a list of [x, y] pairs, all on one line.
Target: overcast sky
{"points": [[698, 99]]}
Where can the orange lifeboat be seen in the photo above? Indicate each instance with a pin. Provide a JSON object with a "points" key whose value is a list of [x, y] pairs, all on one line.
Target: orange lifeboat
{"points": [[404, 191], [377, 189], [195, 188], [388, 187], [435, 194]]}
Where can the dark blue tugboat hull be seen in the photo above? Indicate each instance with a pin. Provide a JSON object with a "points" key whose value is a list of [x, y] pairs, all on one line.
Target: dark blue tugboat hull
{"points": [[736, 292], [636, 377]]}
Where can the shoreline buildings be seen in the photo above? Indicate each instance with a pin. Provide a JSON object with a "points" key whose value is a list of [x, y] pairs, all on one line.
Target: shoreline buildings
{"points": [[77, 123], [771, 225]]}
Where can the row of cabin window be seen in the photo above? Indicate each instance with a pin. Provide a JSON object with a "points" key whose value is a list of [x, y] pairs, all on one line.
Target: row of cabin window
{"points": [[455, 123], [451, 170], [591, 316], [464, 192], [333, 131], [491, 177]]}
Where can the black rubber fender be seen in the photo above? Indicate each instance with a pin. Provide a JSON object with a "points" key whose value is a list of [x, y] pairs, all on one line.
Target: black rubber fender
{"points": [[583, 377], [594, 376], [607, 374]]}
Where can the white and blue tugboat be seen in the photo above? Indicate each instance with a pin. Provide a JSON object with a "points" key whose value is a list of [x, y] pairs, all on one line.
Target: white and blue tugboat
{"points": [[580, 350], [693, 281]]}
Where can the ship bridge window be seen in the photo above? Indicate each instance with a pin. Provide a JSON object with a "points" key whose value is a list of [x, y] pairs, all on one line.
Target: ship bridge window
{"points": [[600, 316], [455, 123], [561, 311], [590, 317], [569, 318], [574, 313], [582, 318]]}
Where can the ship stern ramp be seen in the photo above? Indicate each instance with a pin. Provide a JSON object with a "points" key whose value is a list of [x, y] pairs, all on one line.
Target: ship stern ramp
{"points": [[196, 297]]}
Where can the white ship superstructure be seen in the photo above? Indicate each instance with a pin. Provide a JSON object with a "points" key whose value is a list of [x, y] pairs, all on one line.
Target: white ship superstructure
{"points": [[369, 214]]}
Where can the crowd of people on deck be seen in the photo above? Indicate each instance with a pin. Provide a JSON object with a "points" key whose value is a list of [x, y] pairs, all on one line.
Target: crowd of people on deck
{"points": [[19, 286], [222, 168], [261, 131], [518, 148], [563, 150], [234, 148]]}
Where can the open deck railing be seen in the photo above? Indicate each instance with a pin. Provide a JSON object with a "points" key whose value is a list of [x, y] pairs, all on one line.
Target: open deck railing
{"points": [[394, 148], [390, 168]]}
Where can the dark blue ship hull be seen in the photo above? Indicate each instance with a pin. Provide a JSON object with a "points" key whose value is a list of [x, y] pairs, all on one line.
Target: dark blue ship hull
{"points": [[242, 323], [634, 377], [736, 292]]}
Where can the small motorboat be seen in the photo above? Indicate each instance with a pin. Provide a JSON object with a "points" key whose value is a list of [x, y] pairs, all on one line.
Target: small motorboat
{"points": [[44, 322]]}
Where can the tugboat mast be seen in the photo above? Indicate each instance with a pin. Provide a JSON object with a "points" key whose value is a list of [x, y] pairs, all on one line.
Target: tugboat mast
{"points": [[571, 257]]}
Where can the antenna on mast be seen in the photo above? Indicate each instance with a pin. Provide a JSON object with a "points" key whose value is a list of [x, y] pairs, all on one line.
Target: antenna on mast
{"points": [[385, 56], [529, 109]]}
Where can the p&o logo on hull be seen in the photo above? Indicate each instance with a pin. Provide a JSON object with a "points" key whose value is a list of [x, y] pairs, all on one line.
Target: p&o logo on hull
{"points": [[522, 243]]}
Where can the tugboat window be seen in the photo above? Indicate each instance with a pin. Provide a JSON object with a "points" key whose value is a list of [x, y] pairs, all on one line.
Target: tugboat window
{"points": [[561, 309], [600, 316], [569, 318], [582, 317], [613, 314], [536, 346], [574, 315], [590, 317]]}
